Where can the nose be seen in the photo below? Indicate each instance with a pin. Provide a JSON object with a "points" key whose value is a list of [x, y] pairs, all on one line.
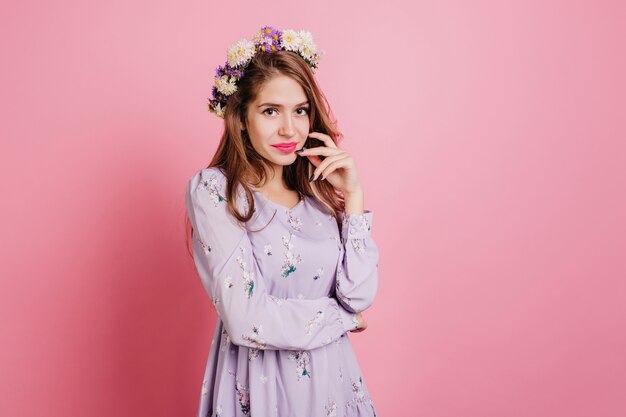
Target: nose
{"points": [[286, 127]]}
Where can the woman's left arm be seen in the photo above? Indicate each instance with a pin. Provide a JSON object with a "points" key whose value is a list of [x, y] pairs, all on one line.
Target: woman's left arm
{"points": [[357, 272]]}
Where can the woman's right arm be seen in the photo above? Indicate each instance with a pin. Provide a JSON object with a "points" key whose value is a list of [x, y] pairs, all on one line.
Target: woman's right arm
{"points": [[230, 275]]}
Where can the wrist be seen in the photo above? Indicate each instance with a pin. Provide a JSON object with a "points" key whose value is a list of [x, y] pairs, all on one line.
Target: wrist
{"points": [[356, 191], [353, 201]]}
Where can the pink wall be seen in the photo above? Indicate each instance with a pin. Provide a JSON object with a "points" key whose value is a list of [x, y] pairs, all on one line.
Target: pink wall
{"points": [[489, 136]]}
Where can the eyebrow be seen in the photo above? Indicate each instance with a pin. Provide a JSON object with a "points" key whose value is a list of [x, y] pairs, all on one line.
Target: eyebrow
{"points": [[280, 105]]}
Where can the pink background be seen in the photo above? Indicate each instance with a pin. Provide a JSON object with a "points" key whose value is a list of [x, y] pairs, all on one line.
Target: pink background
{"points": [[489, 136]]}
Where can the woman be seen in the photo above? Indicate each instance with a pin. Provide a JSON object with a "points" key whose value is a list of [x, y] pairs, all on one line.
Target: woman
{"points": [[281, 241]]}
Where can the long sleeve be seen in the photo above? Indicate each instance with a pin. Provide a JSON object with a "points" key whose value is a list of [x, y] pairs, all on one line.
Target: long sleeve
{"points": [[229, 272], [357, 272]]}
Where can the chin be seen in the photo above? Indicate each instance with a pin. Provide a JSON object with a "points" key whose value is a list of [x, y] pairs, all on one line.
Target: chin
{"points": [[286, 161]]}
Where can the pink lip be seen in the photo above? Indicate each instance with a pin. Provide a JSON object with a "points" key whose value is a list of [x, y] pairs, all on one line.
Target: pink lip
{"points": [[286, 147]]}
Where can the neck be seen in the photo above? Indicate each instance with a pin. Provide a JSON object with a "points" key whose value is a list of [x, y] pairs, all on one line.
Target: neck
{"points": [[274, 178]]}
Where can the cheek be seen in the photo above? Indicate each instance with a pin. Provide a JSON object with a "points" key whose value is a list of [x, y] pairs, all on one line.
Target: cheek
{"points": [[303, 124], [259, 130]]}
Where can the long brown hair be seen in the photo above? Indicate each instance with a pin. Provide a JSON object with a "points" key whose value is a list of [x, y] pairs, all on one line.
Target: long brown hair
{"points": [[238, 159]]}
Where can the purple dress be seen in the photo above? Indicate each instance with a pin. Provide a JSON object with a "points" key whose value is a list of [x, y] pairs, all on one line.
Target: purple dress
{"points": [[286, 292]]}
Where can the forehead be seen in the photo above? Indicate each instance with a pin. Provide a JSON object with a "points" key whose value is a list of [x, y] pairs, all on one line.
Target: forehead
{"points": [[281, 90]]}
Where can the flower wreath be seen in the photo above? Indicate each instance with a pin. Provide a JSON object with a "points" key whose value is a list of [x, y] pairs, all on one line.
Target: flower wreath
{"points": [[267, 39]]}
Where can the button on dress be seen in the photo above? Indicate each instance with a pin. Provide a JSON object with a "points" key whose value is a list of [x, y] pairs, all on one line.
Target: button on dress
{"points": [[286, 292]]}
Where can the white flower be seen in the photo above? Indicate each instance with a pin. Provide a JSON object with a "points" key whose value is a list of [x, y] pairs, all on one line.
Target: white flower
{"points": [[316, 59], [305, 37], [219, 110], [225, 85], [259, 37], [308, 51], [240, 53], [290, 40], [307, 46]]}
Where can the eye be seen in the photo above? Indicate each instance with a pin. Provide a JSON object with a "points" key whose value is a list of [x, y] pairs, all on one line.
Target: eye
{"points": [[269, 109], [306, 110]]}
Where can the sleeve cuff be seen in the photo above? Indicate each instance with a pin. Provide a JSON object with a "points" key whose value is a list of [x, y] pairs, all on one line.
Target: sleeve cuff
{"points": [[347, 320], [356, 226]]}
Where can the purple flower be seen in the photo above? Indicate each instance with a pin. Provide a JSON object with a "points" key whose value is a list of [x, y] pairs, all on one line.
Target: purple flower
{"points": [[269, 31]]}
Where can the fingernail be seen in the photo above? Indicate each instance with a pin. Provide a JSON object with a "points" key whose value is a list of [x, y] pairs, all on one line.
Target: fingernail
{"points": [[320, 178], [300, 150], [311, 178]]}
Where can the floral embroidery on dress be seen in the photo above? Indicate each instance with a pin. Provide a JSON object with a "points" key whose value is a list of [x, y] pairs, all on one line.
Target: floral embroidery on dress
{"points": [[211, 185], [289, 266], [363, 223], [340, 275], [205, 389], [206, 248], [275, 299], [294, 221], [228, 282], [263, 379], [244, 397], [253, 353], [216, 301], [225, 341], [255, 336], [357, 390], [357, 220], [315, 321], [218, 410], [267, 249], [248, 276], [331, 408], [340, 374], [355, 321], [319, 273], [303, 362], [358, 245]]}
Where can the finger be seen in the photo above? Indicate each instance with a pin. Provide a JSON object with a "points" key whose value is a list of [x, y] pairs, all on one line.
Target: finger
{"points": [[322, 169], [321, 150], [328, 165], [315, 160], [325, 168], [328, 141]]}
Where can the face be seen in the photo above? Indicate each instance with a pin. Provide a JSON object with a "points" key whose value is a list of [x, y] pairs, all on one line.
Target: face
{"points": [[278, 116]]}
